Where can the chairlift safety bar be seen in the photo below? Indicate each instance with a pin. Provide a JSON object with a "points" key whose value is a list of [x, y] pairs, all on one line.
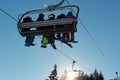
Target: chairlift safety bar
{"points": [[46, 23], [47, 31]]}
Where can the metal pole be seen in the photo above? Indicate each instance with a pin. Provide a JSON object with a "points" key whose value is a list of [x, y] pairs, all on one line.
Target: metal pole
{"points": [[73, 64], [117, 75], [60, 3], [52, 7]]}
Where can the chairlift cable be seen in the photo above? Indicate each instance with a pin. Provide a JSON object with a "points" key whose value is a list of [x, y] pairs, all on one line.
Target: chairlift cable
{"points": [[65, 55], [92, 38], [60, 3], [8, 15]]}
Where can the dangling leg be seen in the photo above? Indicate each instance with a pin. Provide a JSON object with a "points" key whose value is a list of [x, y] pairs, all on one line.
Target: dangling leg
{"points": [[27, 41], [72, 36], [63, 36], [58, 36], [32, 40], [53, 44], [44, 42], [67, 36]]}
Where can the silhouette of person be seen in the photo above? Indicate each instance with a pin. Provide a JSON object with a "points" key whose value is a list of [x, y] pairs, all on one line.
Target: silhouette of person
{"points": [[26, 20], [51, 17], [70, 36], [60, 36], [29, 39], [40, 18], [50, 37]]}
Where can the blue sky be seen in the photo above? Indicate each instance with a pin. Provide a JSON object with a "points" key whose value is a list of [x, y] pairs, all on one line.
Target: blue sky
{"points": [[100, 17]]}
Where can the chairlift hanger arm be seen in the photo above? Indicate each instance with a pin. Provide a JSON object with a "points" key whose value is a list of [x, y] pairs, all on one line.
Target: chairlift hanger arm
{"points": [[60, 3], [52, 7]]}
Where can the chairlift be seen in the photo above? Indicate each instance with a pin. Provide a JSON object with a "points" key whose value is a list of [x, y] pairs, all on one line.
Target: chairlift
{"points": [[72, 74], [37, 24]]}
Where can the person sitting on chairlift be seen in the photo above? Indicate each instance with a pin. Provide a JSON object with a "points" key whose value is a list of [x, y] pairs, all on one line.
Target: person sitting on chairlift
{"points": [[29, 39], [44, 41], [60, 36], [70, 36], [49, 37], [26, 20], [40, 18]]}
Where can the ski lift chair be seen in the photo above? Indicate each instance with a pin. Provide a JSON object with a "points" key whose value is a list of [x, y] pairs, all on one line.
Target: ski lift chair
{"points": [[33, 25]]}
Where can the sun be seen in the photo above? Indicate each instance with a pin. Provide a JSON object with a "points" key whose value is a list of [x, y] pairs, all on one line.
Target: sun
{"points": [[71, 75]]}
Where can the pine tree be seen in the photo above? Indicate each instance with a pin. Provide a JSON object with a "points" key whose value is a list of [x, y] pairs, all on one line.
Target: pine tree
{"points": [[100, 76], [53, 75]]}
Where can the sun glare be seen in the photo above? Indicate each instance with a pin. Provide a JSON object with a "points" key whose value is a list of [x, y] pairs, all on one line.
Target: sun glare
{"points": [[72, 75]]}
